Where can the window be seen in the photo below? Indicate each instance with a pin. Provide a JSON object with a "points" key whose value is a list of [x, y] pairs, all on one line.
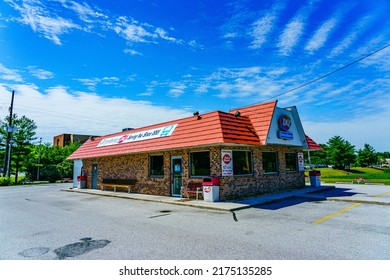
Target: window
{"points": [[270, 163], [242, 163], [156, 166], [200, 163], [291, 162]]}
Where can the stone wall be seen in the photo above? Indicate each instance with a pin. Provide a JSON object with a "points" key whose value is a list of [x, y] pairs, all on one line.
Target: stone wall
{"points": [[137, 166]]}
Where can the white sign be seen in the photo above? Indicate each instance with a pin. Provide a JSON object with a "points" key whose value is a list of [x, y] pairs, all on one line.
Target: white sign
{"points": [[227, 163], [301, 163], [139, 136]]}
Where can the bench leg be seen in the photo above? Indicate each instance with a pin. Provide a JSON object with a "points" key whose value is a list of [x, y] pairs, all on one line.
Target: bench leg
{"points": [[128, 190]]}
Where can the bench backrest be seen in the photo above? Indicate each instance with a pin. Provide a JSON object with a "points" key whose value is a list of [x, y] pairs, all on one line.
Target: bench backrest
{"points": [[193, 185]]}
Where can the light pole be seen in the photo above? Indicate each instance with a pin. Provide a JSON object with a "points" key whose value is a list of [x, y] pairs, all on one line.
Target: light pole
{"points": [[39, 156]]}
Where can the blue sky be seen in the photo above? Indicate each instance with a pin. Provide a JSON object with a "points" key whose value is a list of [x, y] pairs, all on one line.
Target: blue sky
{"points": [[96, 67]]}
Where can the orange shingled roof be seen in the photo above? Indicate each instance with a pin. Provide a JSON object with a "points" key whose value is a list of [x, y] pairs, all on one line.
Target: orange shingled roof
{"points": [[260, 116], [313, 146], [213, 128]]}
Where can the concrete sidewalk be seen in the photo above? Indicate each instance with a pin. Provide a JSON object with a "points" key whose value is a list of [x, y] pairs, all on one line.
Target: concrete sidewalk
{"points": [[222, 206]]}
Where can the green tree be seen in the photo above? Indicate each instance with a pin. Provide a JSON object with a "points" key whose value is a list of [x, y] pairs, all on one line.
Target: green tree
{"points": [[21, 141], [340, 152], [366, 156]]}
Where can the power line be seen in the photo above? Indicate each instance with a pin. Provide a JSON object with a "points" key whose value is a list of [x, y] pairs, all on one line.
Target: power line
{"points": [[324, 76]]}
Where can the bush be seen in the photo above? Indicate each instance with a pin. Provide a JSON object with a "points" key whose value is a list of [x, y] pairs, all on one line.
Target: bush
{"points": [[5, 181], [50, 173]]}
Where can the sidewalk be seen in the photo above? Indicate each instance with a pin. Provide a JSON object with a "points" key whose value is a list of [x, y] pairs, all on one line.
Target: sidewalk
{"points": [[222, 206]]}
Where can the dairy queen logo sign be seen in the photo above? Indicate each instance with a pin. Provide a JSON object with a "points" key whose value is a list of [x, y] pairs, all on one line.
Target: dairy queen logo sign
{"points": [[284, 122]]}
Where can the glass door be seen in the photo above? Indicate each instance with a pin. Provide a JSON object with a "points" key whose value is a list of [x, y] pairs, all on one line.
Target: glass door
{"points": [[94, 175], [176, 175]]}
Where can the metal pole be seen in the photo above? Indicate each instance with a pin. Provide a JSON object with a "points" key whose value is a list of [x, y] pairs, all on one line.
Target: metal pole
{"points": [[7, 163], [39, 156]]}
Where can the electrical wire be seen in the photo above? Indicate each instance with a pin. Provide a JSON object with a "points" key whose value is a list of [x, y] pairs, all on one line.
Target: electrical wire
{"points": [[323, 76]]}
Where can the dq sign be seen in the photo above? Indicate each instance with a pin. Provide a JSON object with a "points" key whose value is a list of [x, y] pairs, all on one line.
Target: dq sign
{"points": [[284, 124]]}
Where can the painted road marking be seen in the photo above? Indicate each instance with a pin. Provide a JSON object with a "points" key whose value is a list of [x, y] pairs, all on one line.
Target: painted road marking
{"points": [[344, 210], [336, 213], [382, 194]]}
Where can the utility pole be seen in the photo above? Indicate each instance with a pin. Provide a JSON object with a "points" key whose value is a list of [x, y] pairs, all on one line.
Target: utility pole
{"points": [[39, 156], [7, 162]]}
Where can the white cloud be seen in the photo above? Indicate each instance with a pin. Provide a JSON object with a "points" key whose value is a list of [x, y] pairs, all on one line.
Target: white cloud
{"points": [[9, 74], [91, 83], [57, 110], [321, 35], [356, 29], [131, 52], [41, 21], [135, 32], [40, 73], [83, 10], [294, 29], [290, 36], [177, 90], [262, 27]]}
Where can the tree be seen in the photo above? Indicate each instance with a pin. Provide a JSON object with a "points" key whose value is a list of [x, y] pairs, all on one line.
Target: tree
{"points": [[367, 156], [340, 152], [21, 141]]}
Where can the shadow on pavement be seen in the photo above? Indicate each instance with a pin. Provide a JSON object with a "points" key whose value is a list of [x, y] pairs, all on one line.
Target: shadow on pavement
{"points": [[315, 196]]}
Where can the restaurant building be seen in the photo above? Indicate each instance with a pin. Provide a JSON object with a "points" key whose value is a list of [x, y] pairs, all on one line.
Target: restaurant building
{"points": [[253, 150]]}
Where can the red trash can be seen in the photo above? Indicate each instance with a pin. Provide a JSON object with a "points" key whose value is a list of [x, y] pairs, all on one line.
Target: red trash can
{"points": [[81, 182]]}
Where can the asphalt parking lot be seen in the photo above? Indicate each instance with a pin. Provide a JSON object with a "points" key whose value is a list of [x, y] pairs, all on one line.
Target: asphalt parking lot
{"points": [[43, 222]]}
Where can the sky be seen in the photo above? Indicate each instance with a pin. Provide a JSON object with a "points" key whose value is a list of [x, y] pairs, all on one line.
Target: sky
{"points": [[95, 67]]}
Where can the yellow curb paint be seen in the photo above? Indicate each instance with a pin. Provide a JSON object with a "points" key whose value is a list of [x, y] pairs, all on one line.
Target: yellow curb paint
{"points": [[336, 213]]}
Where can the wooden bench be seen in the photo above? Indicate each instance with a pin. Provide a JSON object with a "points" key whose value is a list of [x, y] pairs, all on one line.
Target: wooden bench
{"points": [[192, 188], [118, 183]]}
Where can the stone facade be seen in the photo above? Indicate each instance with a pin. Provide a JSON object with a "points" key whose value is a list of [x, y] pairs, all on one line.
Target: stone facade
{"points": [[232, 187]]}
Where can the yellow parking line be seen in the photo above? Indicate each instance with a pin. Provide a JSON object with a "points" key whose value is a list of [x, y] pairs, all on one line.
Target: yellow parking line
{"points": [[336, 213], [382, 194]]}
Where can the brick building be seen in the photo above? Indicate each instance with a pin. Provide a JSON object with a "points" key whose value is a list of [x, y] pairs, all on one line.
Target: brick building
{"points": [[66, 139], [254, 150]]}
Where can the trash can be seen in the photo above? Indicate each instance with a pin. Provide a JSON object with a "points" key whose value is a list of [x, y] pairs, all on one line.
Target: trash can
{"points": [[81, 182], [315, 178], [211, 189]]}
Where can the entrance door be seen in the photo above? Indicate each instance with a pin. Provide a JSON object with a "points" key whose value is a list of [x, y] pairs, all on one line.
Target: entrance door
{"points": [[94, 175], [176, 175]]}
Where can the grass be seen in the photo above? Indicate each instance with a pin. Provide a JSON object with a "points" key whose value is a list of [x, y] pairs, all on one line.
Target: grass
{"points": [[373, 175]]}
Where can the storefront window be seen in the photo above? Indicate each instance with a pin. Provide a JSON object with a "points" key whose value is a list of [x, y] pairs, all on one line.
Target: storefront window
{"points": [[156, 167], [200, 164], [242, 163], [291, 162], [270, 162]]}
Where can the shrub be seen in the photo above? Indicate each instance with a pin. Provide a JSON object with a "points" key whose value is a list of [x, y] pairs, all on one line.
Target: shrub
{"points": [[50, 173], [5, 181]]}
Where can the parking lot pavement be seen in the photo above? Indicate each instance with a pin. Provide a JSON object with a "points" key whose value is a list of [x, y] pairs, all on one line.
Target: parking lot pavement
{"points": [[355, 193]]}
